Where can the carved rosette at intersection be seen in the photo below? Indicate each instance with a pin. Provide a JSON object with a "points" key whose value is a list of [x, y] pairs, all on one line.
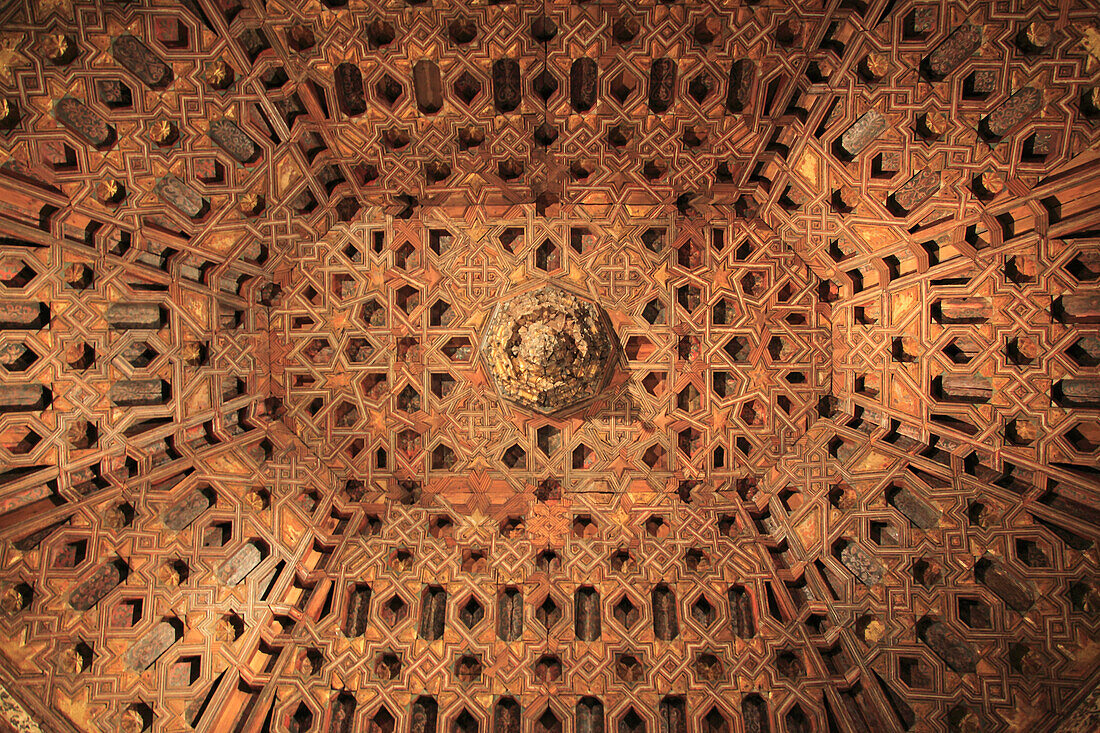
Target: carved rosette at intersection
{"points": [[549, 350]]}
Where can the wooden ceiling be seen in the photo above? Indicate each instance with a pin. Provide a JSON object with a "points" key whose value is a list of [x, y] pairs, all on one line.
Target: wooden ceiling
{"points": [[255, 473]]}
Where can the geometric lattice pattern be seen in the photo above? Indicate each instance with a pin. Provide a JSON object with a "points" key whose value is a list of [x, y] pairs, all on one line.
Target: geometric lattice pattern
{"points": [[255, 474]]}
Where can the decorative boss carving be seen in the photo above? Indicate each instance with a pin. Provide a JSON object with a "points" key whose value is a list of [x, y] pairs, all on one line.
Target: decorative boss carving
{"points": [[549, 349]]}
